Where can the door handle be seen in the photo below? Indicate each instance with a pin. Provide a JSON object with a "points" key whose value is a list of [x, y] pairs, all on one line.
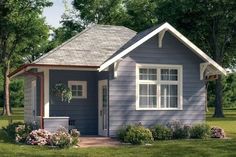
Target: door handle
{"points": [[100, 112]]}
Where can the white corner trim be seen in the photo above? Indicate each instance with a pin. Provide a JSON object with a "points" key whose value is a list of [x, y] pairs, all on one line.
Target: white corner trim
{"points": [[183, 39], [46, 93]]}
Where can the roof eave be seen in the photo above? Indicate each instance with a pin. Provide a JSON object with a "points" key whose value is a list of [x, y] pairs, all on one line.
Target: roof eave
{"points": [[24, 67]]}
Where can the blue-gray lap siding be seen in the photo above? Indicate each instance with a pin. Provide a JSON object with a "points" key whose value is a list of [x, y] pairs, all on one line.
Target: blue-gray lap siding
{"points": [[83, 111], [122, 91]]}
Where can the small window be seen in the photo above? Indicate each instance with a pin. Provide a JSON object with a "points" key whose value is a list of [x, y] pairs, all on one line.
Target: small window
{"points": [[78, 89]]}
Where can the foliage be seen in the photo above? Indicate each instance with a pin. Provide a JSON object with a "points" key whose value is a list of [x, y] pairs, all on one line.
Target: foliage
{"points": [[217, 132], [22, 30], [74, 133], [121, 133], [19, 131], [39, 137], [135, 134], [61, 138], [179, 130], [200, 131], [16, 93], [62, 91], [161, 132]]}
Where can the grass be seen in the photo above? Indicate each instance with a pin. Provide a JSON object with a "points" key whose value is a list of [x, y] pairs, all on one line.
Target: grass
{"points": [[228, 123], [183, 148]]}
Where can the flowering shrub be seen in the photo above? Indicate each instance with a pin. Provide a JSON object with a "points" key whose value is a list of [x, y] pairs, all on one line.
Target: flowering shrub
{"points": [[217, 132], [39, 137], [61, 138]]}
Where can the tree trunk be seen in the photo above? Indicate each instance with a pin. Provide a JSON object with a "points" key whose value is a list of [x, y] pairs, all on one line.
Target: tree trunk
{"points": [[218, 99], [6, 106]]}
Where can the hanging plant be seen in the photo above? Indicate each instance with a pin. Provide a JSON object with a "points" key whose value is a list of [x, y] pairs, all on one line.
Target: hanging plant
{"points": [[62, 91]]}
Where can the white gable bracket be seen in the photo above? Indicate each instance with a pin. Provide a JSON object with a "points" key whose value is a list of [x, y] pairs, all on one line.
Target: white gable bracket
{"points": [[116, 65], [160, 37], [203, 67]]}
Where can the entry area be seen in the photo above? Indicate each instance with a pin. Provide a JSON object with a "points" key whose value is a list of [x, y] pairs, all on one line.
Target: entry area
{"points": [[103, 108]]}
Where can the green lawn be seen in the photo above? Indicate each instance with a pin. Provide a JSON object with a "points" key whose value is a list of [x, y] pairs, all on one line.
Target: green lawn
{"points": [[183, 148]]}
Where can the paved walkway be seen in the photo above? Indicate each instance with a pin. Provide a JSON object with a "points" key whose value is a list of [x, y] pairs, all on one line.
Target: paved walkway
{"points": [[98, 142]]}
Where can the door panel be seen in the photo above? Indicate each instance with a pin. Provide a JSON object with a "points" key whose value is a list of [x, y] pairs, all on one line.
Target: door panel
{"points": [[102, 107]]}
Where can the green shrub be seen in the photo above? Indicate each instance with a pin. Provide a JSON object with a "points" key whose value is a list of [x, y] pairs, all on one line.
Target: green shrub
{"points": [[10, 130], [200, 131], [160, 132], [179, 130], [74, 133], [19, 131], [61, 138], [138, 134], [122, 132]]}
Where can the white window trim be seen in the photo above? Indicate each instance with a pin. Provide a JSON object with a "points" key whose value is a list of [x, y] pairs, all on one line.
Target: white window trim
{"points": [[158, 67], [84, 88]]}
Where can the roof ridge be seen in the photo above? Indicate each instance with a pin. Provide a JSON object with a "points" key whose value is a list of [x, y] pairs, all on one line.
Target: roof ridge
{"points": [[61, 45], [115, 26]]}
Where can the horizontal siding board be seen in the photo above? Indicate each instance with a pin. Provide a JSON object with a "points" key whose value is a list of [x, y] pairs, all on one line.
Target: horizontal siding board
{"points": [[122, 91]]}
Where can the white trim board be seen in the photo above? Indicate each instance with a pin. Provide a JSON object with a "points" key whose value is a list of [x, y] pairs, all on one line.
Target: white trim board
{"points": [[178, 35]]}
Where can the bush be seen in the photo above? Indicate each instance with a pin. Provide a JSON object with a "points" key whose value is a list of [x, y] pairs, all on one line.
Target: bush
{"points": [[200, 131], [61, 138], [19, 131], [39, 137], [136, 134], [160, 132], [179, 130], [217, 132], [74, 133], [122, 132]]}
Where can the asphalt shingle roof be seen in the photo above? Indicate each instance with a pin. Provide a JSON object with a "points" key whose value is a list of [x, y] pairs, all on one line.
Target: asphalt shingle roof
{"points": [[91, 47]]}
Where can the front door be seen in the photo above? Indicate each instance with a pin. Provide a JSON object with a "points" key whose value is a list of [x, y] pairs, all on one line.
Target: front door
{"points": [[102, 108]]}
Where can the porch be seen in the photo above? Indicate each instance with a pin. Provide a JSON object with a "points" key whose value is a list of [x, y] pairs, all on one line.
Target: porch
{"points": [[87, 111]]}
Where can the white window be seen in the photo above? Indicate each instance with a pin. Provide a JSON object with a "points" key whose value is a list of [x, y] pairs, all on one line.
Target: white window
{"points": [[78, 89], [159, 87]]}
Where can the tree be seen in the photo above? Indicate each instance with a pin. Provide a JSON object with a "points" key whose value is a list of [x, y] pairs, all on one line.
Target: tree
{"points": [[212, 25], [22, 28]]}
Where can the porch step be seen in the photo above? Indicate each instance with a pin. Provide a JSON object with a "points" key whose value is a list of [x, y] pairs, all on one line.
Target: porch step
{"points": [[98, 142]]}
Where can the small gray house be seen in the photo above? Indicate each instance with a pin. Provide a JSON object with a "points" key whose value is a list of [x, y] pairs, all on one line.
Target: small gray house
{"points": [[118, 77]]}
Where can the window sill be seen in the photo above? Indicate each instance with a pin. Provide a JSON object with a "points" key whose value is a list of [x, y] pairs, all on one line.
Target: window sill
{"points": [[159, 109], [79, 97]]}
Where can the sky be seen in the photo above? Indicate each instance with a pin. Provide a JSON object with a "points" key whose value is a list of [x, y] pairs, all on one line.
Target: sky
{"points": [[53, 13]]}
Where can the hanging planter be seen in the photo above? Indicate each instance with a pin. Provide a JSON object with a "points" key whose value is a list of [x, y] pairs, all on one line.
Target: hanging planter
{"points": [[62, 91]]}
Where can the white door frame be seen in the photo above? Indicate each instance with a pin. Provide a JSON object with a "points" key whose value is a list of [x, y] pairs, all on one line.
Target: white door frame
{"points": [[101, 130], [33, 99]]}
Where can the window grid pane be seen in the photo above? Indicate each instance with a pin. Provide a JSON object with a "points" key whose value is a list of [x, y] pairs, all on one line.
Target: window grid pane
{"points": [[147, 96], [169, 74], [169, 96], [147, 74]]}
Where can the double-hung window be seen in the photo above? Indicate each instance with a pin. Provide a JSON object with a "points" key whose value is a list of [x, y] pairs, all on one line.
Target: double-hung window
{"points": [[159, 87]]}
